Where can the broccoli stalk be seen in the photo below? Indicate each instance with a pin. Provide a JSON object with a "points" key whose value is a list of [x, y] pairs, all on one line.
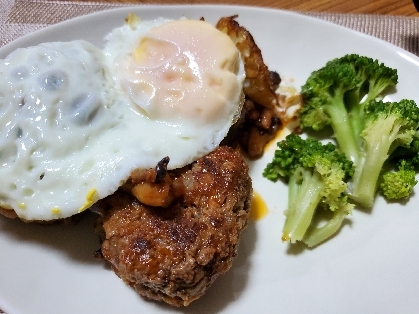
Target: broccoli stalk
{"points": [[343, 95], [307, 187], [317, 176]]}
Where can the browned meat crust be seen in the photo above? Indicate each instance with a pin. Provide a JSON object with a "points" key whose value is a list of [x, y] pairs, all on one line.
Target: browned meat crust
{"points": [[9, 213], [173, 254]]}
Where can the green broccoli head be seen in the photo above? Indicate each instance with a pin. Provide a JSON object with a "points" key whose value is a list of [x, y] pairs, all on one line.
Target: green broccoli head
{"points": [[398, 184], [295, 152], [324, 91], [404, 110], [407, 157], [373, 77]]}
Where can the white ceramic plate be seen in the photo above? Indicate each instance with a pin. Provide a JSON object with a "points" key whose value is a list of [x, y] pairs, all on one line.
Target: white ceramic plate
{"points": [[371, 266]]}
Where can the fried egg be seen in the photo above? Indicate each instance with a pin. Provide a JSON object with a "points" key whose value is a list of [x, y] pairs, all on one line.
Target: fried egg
{"points": [[77, 120]]}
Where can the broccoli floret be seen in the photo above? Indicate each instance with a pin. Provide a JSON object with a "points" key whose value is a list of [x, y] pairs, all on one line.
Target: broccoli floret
{"points": [[335, 96], [398, 184], [388, 125], [344, 94], [317, 174]]}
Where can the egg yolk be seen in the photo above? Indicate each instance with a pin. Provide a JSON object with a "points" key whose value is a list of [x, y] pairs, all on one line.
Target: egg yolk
{"points": [[184, 69], [90, 200]]}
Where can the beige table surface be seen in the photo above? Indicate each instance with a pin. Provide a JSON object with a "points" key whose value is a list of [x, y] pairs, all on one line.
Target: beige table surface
{"points": [[384, 7]]}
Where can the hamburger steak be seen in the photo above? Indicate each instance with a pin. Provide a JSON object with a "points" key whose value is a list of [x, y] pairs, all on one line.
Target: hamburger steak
{"points": [[174, 254]]}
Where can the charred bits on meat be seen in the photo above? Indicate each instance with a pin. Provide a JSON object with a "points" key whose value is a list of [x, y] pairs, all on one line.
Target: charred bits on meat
{"points": [[161, 170]]}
